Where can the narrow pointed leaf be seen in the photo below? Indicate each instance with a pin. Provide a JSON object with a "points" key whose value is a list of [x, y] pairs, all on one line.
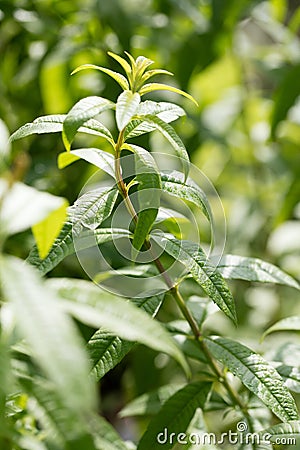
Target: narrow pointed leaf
{"points": [[82, 111], [174, 184], [254, 269], [149, 192], [256, 374], [123, 63], [169, 133], [105, 436], [175, 415], [64, 245], [97, 308], [95, 156], [283, 431], [107, 350], [126, 107], [152, 73], [115, 75], [54, 124], [39, 317], [202, 270], [288, 324], [164, 87]]}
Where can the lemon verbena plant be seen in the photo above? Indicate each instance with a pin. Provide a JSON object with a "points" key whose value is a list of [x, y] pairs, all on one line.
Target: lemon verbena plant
{"points": [[207, 360]]}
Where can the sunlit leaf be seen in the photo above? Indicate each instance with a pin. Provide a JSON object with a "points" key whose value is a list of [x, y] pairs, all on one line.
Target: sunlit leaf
{"points": [[95, 307], [152, 73], [115, 75], [82, 111], [15, 217], [164, 87], [43, 124], [256, 374], [126, 107], [175, 415], [203, 271], [46, 231], [253, 269], [123, 63], [95, 156]]}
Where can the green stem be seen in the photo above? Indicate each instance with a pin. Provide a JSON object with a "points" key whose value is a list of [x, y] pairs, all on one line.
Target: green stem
{"points": [[173, 289]]}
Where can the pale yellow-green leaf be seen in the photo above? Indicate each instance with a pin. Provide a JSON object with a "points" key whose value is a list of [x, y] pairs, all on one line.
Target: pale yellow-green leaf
{"points": [[46, 231], [150, 87], [115, 75], [65, 159]]}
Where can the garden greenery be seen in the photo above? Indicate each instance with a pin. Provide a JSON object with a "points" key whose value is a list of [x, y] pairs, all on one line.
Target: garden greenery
{"points": [[48, 371]]}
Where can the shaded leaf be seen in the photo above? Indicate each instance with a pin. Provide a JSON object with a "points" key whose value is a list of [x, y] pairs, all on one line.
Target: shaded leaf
{"points": [[288, 324], [175, 415], [95, 307], [253, 269], [107, 350], [174, 184], [291, 376], [115, 75], [81, 112], [256, 374], [169, 133], [203, 271], [95, 156], [126, 107], [283, 430]]}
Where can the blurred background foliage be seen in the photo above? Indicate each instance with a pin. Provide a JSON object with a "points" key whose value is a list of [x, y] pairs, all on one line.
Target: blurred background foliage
{"points": [[240, 59]]}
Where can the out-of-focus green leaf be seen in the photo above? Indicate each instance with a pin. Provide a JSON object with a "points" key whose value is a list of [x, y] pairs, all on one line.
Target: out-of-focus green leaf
{"points": [[24, 206], [256, 374], [291, 376], [46, 231], [175, 415], [288, 324], [96, 308], [253, 269], [286, 430], [82, 111]]}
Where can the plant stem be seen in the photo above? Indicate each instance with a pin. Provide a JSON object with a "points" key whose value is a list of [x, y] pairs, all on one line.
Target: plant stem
{"points": [[173, 289]]}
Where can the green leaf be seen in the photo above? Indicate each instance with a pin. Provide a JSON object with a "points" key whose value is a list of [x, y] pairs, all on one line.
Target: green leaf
{"points": [[14, 217], [174, 416], [46, 231], [39, 317], [256, 374], [288, 324], [285, 96], [203, 271], [123, 63], [43, 124], [150, 403], [95, 307], [105, 435], [149, 192], [82, 111], [54, 124], [99, 158], [107, 350], [164, 87], [90, 210], [169, 133], [291, 376], [126, 107], [253, 269], [152, 73], [115, 75], [174, 184], [283, 431]]}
